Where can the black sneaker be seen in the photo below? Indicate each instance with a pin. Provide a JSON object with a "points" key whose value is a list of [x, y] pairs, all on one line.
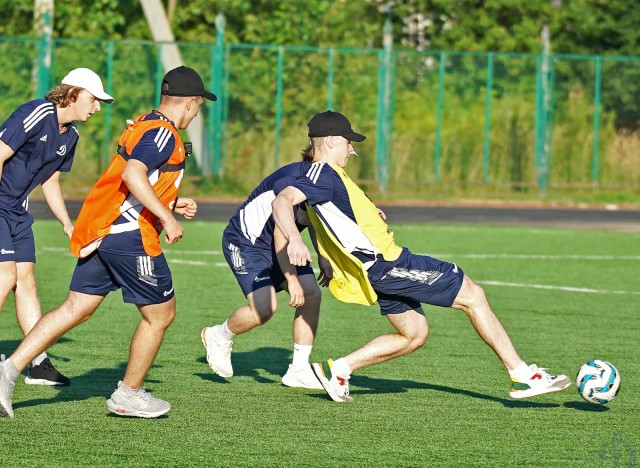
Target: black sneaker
{"points": [[45, 374]]}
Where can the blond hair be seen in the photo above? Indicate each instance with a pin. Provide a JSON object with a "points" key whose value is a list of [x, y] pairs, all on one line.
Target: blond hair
{"points": [[62, 95]]}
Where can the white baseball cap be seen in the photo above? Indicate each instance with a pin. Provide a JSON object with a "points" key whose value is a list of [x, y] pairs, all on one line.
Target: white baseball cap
{"points": [[89, 80]]}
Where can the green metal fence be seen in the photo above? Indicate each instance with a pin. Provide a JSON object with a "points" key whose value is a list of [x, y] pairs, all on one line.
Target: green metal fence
{"points": [[433, 120]]}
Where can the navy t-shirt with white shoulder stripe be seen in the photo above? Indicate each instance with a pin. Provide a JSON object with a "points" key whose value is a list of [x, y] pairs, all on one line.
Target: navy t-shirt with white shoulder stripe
{"points": [[32, 132]]}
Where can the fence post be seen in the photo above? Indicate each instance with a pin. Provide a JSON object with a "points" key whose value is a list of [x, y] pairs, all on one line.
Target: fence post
{"points": [[438, 145], [44, 53], [279, 88], [384, 105], [159, 72], [102, 162], [542, 130], [487, 118], [596, 119], [214, 146], [330, 78]]}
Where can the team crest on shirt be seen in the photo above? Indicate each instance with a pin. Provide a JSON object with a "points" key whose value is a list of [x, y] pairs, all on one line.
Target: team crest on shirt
{"points": [[62, 151]]}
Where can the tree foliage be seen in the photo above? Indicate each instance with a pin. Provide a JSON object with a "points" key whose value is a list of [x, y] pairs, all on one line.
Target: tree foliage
{"points": [[576, 26]]}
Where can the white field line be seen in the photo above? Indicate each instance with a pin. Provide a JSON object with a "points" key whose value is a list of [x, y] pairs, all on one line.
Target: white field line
{"points": [[557, 288], [436, 255], [170, 254]]}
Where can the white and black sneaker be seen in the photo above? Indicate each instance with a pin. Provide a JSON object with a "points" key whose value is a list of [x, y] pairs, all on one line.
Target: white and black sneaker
{"points": [[45, 374], [136, 402]]}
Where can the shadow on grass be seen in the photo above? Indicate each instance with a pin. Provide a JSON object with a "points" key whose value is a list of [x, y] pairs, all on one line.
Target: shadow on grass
{"points": [[274, 361], [373, 386], [584, 406], [95, 383]]}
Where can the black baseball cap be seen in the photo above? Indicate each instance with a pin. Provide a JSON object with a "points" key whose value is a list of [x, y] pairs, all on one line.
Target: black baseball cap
{"points": [[185, 81], [331, 123]]}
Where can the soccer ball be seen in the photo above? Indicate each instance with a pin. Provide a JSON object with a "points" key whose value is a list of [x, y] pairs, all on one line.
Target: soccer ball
{"points": [[598, 381]]}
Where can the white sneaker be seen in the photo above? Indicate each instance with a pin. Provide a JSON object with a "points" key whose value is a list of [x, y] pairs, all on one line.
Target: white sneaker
{"points": [[337, 387], [538, 383], [302, 378], [6, 390], [218, 352], [136, 403]]}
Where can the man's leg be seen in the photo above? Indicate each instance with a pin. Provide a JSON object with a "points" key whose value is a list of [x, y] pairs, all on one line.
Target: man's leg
{"points": [[77, 308], [42, 371], [8, 278], [218, 340], [147, 339], [305, 325], [473, 302], [129, 398], [27, 304], [412, 333], [526, 381], [263, 303]]}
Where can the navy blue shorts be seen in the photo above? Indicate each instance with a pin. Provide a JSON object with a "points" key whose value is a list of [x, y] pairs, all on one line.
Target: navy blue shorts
{"points": [[417, 279], [255, 268], [16, 241], [143, 279]]}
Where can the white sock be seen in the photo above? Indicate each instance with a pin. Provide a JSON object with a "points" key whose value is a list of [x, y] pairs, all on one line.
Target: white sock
{"points": [[14, 373], [341, 368], [521, 371], [301, 355], [224, 333], [38, 360]]}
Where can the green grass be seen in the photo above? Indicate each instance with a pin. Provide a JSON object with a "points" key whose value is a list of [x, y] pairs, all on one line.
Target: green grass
{"points": [[445, 404]]}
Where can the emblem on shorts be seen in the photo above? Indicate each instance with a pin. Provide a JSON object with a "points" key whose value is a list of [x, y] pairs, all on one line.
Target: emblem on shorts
{"points": [[4, 252]]}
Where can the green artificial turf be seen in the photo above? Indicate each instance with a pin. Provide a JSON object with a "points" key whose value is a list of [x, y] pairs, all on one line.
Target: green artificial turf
{"points": [[565, 297]]}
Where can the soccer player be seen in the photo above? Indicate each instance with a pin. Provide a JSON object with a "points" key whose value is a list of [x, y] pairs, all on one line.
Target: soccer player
{"points": [[116, 238], [37, 143], [257, 257], [368, 266]]}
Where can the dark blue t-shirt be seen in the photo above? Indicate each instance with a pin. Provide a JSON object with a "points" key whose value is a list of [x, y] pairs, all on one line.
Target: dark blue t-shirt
{"points": [[32, 132]]}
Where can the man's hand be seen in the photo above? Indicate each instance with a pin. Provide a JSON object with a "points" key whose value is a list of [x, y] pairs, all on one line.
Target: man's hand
{"points": [[298, 252], [382, 215], [186, 207], [172, 230], [326, 272], [296, 292], [68, 230]]}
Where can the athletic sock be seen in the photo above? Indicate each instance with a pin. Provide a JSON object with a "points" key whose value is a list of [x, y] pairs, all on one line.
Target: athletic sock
{"points": [[224, 333], [38, 360], [341, 368], [14, 373], [521, 371], [301, 355]]}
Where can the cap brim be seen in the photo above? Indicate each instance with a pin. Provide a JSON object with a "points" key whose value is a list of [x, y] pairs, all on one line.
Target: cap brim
{"points": [[353, 136], [103, 97], [209, 96]]}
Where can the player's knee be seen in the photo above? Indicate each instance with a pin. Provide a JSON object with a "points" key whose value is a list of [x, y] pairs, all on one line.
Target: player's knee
{"points": [[471, 296], [265, 313], [312, 296], [419, 337], [8, 281]]}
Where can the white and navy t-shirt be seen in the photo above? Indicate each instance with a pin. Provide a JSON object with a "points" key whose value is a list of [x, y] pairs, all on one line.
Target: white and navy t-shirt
{"points": [[253, 223], [40, 150]]}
